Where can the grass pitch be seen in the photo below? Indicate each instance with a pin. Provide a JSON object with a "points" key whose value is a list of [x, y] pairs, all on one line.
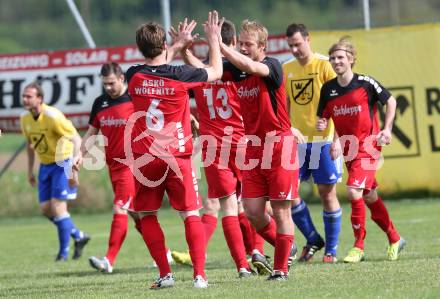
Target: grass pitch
{"points": [[28, 247]]}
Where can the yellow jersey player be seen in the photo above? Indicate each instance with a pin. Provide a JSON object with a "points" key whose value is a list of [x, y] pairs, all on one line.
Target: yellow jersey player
{"points": [[57, 144], [305, 74]]}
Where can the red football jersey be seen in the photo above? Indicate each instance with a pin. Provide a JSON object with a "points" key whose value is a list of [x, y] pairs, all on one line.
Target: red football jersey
{"points": [[110, 116], [263, 101], [219, 108], [353, 108], [161, 105]]}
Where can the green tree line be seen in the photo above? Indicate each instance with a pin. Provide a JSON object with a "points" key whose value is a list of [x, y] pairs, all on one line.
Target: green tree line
{"points": [[32, 25]]}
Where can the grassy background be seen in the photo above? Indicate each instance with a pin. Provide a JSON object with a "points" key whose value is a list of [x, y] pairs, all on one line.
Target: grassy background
{"points": [[18, 198], [28, 246]]}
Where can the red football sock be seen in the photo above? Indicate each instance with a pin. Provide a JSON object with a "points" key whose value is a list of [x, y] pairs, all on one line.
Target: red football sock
{"points": [[283, 244], [269, 232], [155, 241], [258, 241], [138, 225], [379, 214], [118, 231], [358, 222], [209, 225], [246, 231], [234, 239], [195, 237]]}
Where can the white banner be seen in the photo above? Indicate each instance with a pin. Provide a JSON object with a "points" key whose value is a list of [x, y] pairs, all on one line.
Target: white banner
{"points": [[70, 78]]}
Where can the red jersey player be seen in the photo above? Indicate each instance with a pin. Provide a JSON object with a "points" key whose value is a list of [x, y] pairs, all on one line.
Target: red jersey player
{"points": [[221, 134], [350, 100], [109, 115], [271, 146], [161, 140]]}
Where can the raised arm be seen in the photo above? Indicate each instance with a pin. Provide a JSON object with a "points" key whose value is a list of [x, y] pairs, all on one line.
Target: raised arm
{"points": [[181, 38], [212, 29], [189, 58], [243, 62]]}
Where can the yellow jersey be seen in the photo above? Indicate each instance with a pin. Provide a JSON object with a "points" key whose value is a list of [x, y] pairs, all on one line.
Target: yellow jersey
{"points": [[303, 88], [45, 134]]}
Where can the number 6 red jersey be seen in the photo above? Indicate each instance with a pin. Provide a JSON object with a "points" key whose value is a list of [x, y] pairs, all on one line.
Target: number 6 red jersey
{"points": [[161, 105]]}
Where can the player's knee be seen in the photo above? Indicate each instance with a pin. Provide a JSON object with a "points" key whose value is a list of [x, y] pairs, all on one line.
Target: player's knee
{"points": [[370, 196], [118, 210], [186, 214], [354, 193], [211, 206], [281, 212]]}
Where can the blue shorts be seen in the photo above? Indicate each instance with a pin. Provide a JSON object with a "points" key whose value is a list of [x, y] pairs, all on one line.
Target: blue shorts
{"points": [[315, 160], [53, 182]]}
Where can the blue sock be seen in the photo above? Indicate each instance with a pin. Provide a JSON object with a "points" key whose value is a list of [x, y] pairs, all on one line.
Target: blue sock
{"points": [[64, 225], [301, 218], [332, 227], [75, 233]]}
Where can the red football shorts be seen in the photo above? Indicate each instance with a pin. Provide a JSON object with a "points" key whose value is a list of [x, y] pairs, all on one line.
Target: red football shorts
{"points": [[123, 184], [158, 176], [222, 174], [362, 173], [276, 174]]}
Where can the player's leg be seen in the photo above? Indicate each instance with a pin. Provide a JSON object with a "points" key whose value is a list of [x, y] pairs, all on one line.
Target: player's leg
{"points": [[300, 212], [124, 189], [64, 226], [211, 207], [356, 254], [284, 237], [60, 193], [44, 196], [332, 217], [265, 227], [184, 197], [379, 214], [118, 232], [326, 173], [233, 235], [147, 202]]}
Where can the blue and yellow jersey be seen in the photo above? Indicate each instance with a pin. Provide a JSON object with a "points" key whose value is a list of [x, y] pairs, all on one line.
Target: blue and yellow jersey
{"points": [[303, 86], [46, 133]]}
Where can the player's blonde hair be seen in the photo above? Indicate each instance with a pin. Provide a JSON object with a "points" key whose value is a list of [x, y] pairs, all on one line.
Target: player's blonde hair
{"points": [[344, 44], [257, 29]]}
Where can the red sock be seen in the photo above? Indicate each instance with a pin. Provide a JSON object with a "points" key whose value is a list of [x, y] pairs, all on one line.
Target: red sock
{"points": [[138, 225], [234, 239], [155, 241], [283, 244], [118, 231], [246, 231], [258, 241], [195, 238], [358, 222], [269, 232], [209, 225], [379, 214]]}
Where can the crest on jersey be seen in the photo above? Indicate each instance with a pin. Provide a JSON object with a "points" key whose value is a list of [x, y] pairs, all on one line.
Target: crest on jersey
{"points": [[39, 143], [302, 91]]}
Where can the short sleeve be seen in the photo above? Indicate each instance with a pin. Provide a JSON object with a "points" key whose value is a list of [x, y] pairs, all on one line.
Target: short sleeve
{"points": [[187, 73], [93, 119], [322, 111], [275, 77], [62, 126], [329, 73]]}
